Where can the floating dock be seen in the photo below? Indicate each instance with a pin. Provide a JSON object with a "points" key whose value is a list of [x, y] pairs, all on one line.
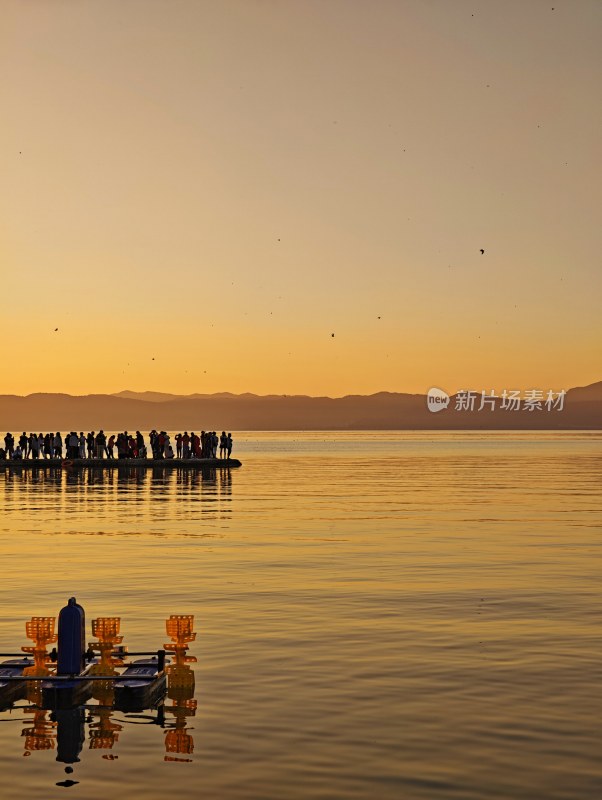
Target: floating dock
{"points": [[71, 674], [11, 688], [78, 685], [120, 463]]}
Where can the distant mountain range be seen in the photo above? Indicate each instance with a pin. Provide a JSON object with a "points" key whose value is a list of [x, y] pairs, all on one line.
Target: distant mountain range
{"points": [[381, 411]]}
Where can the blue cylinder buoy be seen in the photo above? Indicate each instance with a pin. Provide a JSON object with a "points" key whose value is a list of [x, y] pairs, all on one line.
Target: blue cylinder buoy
{"points": [[71, 639]]}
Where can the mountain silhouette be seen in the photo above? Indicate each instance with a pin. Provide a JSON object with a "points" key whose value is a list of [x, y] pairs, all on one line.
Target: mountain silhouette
{"points": [[381, 411]]}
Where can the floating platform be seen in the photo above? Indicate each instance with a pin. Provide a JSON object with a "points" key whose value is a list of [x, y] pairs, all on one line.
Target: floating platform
{"points": [[121, 463], [71, 674], [79, 685], [66, 693], [140, 686], [10, 688]]}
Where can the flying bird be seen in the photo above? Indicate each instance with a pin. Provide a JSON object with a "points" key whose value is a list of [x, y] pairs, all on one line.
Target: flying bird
{"points": [[482, 252], [55, 330], [332, 334]]}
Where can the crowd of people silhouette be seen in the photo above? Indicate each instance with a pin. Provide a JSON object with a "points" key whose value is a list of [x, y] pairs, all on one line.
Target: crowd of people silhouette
{"points": [[117, 445]]}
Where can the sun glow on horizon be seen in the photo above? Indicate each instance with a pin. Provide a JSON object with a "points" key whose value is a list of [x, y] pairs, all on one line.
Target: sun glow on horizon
{"points": [[193, 204]]}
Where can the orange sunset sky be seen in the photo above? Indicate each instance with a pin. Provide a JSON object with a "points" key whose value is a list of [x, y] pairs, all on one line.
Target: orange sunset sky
{"points": [[198, 194]]}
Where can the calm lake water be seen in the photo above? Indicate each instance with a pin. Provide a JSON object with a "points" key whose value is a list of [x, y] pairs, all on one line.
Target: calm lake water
{"points": [[379, 615]]}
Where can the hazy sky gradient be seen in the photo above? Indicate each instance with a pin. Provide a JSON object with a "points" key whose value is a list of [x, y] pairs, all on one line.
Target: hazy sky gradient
{"points": [[222, 185]]}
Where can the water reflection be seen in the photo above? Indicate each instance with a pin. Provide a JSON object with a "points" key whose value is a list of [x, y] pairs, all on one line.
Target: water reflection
{"points": [[154, 494], [102, 724], [123, 475], [104, 732], [39, 731]]}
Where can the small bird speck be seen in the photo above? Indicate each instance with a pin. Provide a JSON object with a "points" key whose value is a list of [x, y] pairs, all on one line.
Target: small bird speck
{"points": [[332, 334], [482, 252]]}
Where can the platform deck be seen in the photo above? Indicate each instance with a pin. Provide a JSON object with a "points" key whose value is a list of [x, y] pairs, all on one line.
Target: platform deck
{"points": [[122, 463]]}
